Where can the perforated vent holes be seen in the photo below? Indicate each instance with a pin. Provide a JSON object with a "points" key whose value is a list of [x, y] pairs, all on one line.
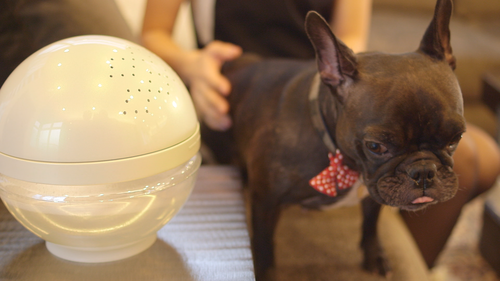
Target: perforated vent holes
{"points": [[150, 89]]}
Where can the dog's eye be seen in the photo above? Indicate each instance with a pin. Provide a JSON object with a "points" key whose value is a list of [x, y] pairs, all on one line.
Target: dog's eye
{"points": [[376, 148], [454, 143]]}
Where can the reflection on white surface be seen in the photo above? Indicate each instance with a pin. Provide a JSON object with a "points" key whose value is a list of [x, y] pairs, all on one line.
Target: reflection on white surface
{"points": [[46, 136], [97, 220], [48, 198], [54, 48], [100, 223], [19, 215], [98, 41], [99, 215]]}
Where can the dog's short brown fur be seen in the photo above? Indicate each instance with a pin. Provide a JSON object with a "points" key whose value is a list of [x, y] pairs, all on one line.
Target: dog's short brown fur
{"points": [[397, 119]]}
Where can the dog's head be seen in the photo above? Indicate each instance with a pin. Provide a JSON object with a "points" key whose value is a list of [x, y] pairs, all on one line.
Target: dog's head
{"points": [[399, 117]]}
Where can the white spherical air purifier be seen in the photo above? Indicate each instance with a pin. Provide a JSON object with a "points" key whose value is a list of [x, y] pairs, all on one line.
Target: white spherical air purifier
{"points": [[99, 147]]}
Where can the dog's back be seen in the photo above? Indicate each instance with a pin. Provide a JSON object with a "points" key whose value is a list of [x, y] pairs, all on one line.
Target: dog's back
{"points": [[254, 101]]}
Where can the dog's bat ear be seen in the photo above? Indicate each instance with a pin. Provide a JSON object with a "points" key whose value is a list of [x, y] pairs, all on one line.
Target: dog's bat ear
{"points": [[436, 40], [336, 62]]}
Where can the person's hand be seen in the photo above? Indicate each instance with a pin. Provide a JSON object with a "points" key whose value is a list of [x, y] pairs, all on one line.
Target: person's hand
{"points": [[208, 86]]}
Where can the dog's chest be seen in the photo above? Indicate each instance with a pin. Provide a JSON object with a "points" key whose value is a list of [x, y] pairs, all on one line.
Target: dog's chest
{"points": [[353, 197], [349, 197]]}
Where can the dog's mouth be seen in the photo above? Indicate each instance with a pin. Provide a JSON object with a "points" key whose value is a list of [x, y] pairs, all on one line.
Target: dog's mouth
{"points": [[422, 200], [400, 190], [419, 203]]}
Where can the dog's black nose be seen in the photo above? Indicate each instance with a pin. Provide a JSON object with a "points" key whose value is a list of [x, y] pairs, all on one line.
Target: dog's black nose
{"points": [[423, 172]]}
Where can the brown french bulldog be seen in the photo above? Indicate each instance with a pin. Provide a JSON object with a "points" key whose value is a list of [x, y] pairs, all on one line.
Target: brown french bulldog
{"points": [[393, 119]]}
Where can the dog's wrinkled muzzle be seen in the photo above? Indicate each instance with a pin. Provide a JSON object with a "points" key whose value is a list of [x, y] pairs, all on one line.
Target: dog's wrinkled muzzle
{"points": [[422, 173]]}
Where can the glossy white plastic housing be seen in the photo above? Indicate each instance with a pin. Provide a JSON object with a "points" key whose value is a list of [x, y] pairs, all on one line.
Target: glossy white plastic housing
{"points": [[99, 145], [93, 110]]}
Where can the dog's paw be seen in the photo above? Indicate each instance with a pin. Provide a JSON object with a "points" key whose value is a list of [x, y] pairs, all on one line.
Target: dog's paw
{"points": [[377, 263], [266, 275]]}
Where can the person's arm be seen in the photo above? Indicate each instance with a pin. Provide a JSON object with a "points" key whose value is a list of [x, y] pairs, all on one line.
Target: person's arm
{"points": [[199, 69], [351, 22], [157, 30]]}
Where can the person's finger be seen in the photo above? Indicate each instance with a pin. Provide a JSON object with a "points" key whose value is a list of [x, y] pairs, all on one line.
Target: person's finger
{"points": [[217, 53], [211, 106], [211, 98], [219, 82], [218, 122], [223, 51]]}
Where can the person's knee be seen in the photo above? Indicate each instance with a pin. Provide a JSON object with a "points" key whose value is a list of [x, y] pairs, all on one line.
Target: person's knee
{"points": [[488, 155], [466, 163]]}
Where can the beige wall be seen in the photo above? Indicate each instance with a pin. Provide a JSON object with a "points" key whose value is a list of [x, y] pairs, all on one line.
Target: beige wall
{"points": [[466, 8]]}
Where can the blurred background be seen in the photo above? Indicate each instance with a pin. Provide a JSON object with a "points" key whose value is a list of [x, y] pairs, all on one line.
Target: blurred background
{"points": [[397, 26]]}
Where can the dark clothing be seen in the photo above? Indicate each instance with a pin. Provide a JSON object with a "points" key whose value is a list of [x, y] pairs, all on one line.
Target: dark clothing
{"points": [[270, 28]]}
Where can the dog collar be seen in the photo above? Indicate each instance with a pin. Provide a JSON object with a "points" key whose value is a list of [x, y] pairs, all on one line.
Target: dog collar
{"points": [[316, 116], [335, 177]]}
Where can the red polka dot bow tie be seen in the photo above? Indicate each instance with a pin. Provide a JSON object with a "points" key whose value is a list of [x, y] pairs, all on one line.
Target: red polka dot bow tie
{"points": [[335, 177]]}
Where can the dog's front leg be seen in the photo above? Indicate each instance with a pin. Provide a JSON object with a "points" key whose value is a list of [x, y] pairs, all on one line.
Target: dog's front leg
{"points": [[374, 255], [265, 214]]}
